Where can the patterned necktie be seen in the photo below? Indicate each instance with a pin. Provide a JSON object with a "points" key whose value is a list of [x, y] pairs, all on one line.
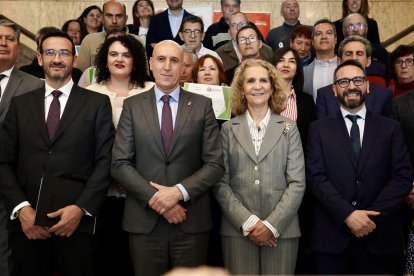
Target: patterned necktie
{"points": [[53, 117], [166, 123], [1, 77], [354, 134]]}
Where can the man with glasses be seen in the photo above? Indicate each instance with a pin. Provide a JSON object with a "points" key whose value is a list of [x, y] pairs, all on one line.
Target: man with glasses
{"points": [[379, 70], [13, 82], [55, 168], [192, 33], [359, 173], [354, 48], [229, 52], [403, 69], [249, 45]]}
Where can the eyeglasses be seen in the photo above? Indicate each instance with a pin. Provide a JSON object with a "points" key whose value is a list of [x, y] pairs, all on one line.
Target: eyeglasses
{"points": [[407, 61], [189, 32], [344, 83], [356, 27], [249, 39], [52, 53]]}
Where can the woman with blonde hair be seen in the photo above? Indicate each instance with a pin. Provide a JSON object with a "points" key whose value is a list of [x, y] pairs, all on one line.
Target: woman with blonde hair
{"points": [[264, 182]]}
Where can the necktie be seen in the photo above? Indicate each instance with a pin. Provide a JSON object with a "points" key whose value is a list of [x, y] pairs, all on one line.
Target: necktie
{"points": [[354, 134], [53, 117], [1, 77], [166, 123]]}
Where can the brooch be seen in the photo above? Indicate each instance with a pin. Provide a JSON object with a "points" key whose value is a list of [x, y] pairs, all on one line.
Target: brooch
{"points": [[287, 127]]}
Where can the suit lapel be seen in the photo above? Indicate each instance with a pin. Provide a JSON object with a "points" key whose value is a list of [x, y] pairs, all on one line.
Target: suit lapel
{"points": [[11, 88], [149, 107], [241, 131], [370, 131], [273, 132], [74, 104], [37, 109], [184, 108], [338, 124]]}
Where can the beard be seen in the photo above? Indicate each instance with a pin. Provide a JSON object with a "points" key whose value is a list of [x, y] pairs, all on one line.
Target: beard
{"points": [[353, 103], [57, 76]]}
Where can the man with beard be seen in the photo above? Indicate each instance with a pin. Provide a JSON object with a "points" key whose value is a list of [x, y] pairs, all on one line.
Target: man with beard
{"points": [[55, 151], [357, 48], [359, 173]]}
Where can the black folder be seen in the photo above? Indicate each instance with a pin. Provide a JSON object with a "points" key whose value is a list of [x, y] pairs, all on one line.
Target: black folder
{"points": [[56, 193]]}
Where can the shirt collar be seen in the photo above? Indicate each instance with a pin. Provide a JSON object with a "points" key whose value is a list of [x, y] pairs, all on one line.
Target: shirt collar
{"points": [[362, 113], [263, 124], [291, 25], [179, 15], [329, 61], [64, 89], [7, 73], [175, 94]]}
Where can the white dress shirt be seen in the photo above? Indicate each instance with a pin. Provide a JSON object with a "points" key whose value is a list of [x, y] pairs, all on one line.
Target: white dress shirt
{"points": [[361, 121]]}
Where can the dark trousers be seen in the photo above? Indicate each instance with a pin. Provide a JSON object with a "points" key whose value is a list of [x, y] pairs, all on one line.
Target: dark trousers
{"points": [[73, 256], [166, 247], [357, 260]]}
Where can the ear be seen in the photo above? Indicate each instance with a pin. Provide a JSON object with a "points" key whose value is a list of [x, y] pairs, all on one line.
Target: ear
{"points": [[39, 59], [181, 36], [368, 63], [260, 44], [367, 87], [202, 36], [151, 61], [334, 90], [339, 60]]}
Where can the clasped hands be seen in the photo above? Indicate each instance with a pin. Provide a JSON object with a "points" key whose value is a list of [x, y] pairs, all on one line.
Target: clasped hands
{"points": [[360, 223], [261, 235], [70, 217], [165, 203]]}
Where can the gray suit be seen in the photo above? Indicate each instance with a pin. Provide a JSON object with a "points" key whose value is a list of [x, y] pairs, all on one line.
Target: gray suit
{"points": [[308, 78], [229, 57], [269, 185], [195, 161], [19, 83]]}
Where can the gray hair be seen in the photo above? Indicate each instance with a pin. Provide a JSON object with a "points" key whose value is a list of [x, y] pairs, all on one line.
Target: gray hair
{"points": [[188, 50], [355, 38], [6, 23]]}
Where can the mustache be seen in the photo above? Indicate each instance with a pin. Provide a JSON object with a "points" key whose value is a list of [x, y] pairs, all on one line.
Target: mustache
{"points": [[57, 64]]}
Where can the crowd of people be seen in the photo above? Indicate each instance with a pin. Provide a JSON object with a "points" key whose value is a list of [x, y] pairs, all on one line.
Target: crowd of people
{"points": [[108, 166]]}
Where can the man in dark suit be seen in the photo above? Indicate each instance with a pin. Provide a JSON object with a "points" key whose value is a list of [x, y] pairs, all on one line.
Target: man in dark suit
{"points": [[54, 140], [13, 82], [359, 173], [166, 25], [167, 154], [378, 98]]}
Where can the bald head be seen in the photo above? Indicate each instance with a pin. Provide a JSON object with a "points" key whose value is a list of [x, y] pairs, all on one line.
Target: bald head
{"points": [[114, 16], [166, 65], [355, 24]]}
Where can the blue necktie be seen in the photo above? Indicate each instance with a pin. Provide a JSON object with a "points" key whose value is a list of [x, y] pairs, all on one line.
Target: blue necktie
{"points": [[354, 134]]}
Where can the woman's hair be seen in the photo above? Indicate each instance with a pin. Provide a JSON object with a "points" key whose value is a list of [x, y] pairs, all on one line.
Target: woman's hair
{"points": [[297, 81], [277, 98], [82, 26], [364, 10], [136, 23], [139, 74], [400, 51], [200, 62], [87, 11]]}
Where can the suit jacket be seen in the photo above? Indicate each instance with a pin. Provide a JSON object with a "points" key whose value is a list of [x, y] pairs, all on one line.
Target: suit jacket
{"points": [[340, 184], [306, 114], [80, 152], [269, 185], [19, 83], [229, 56], [195, 159], [377, 100], [159, 30], [308, 78]]}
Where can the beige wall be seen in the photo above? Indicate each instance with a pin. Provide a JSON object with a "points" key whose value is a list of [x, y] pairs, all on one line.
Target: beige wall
{"points": [[392, 15]]}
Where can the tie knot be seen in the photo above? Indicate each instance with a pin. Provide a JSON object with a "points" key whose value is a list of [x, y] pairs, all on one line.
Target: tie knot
{"points": [[56, 94], [166, 98], [353, 118]]}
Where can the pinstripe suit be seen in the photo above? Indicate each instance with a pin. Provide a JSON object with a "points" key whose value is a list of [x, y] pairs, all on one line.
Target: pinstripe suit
{"points": [[269, 185]]}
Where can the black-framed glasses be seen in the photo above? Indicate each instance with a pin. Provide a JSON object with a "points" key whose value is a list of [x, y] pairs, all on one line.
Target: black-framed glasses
{"points": [[52, 53], [356, 27], [407, 61], [250, 39], [189, 32], [344, 82]]}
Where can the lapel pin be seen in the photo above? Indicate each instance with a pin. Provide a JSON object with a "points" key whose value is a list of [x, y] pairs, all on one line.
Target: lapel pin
{"points": [[189, 103]]}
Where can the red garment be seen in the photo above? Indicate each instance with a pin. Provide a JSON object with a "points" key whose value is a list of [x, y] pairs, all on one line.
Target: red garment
{"points": [[401, 88]]}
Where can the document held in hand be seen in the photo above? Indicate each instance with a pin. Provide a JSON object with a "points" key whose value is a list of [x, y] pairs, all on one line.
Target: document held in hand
{"points": [[56, 193]]}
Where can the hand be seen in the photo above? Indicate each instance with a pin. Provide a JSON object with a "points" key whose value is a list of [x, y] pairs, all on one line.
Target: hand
{"points": [[410, 199], [261, 235], [165, 198], [70, 216], [118, 187], [360, 223], [32, 232], [176, 214]]}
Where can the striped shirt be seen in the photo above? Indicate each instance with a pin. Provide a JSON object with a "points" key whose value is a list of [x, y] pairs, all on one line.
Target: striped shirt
{"points": [[291, 110]]}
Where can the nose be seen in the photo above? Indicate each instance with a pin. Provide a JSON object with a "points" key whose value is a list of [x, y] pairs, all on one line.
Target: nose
{"points": [[257, 85], [113, 20], [167, 65]]}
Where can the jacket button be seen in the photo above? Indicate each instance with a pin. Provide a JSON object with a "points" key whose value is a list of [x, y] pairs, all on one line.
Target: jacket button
{"points": [[358, 182], [167, 163], [257, 182], [256, 168], [353, 203]]}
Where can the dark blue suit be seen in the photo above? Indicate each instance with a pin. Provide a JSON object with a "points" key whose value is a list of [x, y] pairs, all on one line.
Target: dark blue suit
{"points": [[340, 184], [377, 100], [159, 30]]}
